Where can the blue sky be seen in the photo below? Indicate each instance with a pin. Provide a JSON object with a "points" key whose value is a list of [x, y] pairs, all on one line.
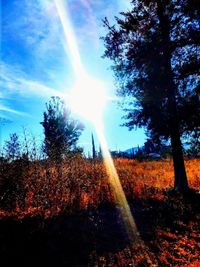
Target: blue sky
{"points": [[34, 65]]}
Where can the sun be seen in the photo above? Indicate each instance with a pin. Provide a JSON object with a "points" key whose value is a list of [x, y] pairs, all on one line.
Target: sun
{"points": [[88, 98]]}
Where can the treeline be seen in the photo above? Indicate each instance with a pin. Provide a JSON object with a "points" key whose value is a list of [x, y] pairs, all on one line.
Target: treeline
{"points": [[155, 50], [61, 134], [27, 168]]}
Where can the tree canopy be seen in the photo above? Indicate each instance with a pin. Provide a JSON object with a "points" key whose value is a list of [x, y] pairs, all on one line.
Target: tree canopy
{"points": [[12, 147], [61, 130], [155, 48]]}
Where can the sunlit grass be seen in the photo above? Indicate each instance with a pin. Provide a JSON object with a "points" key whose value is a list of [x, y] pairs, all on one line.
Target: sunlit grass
{"points": [[79, 188], [79, 183]]}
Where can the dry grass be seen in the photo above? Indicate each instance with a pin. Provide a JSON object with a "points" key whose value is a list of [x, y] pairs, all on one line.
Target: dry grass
{"points": [[71, 204], [79, 183]]}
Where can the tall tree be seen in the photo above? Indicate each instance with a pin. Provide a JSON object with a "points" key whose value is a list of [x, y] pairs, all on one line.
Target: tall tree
{"points": [[3, 121], [155, 49], [12, 147], [61, 131], [93, 148]]}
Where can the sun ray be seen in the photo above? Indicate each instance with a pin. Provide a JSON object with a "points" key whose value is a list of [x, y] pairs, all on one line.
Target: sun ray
{"points": [[86, 89], [115, 183], [71, 43]]}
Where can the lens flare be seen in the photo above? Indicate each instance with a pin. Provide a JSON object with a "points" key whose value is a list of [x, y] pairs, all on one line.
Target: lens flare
{"points": [[70, 44], [88, 99], [89, 102], [115, 183]]}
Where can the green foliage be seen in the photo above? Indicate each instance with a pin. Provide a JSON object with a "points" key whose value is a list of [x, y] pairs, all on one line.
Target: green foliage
{"points": [[154, 42], [61, 131]]}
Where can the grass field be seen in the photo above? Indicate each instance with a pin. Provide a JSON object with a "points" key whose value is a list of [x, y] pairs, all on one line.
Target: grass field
{"points": [[65, 214]]}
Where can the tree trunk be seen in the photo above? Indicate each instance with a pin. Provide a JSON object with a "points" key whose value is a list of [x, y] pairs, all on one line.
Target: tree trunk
{"points": [[180, 177]]}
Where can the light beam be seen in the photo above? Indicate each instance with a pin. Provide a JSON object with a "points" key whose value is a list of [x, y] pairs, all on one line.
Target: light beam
{"points": [[116, 186], [83, 78], [71, 47]]}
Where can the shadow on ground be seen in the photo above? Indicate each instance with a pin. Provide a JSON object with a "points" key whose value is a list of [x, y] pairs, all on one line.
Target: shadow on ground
{"points": [[64, 240], [69, 240]]}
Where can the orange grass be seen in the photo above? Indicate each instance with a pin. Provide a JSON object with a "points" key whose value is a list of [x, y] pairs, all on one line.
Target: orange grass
{"points": [[78, 183], [168, 223]]}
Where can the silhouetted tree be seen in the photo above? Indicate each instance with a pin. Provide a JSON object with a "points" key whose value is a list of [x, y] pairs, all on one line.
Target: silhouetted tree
{"points": [[61, 131], [150, 146], [3, 121], [11, 175], [93, 148], [100, 152], [155, 48], [12, 147], [194, 143]]}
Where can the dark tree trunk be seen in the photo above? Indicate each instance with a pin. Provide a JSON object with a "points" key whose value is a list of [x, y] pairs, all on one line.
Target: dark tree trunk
{"points": [[93, 148], [180, 177]]}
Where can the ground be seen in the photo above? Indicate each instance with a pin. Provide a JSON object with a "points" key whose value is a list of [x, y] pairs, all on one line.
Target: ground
{"points": [[65, 215]]}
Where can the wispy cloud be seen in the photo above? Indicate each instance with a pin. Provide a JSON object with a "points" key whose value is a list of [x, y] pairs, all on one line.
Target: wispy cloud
{"points": [[10, 110], [39, 31], [90, 28], [15, 84], [35, 25], [14, 81]]}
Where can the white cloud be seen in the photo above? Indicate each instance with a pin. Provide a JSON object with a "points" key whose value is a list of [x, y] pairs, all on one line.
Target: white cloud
{"points": [[15, 84], [10, 110], [13, 81], [35, 25], [90, 30]]}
